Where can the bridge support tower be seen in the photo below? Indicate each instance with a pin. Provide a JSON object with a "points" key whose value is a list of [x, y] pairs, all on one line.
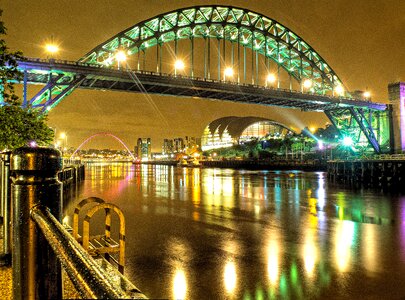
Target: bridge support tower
{"points": [[396, 94]]}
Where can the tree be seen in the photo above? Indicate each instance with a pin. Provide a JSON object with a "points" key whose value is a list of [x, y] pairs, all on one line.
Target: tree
{"points": [[18, 125]]}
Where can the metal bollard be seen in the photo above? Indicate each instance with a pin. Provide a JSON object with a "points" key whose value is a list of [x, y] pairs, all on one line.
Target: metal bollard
{"points": [[36, 271], [5, 256]]}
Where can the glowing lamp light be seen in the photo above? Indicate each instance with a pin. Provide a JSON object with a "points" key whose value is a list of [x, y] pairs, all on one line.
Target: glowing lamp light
{"points": [[120, 56], [312, 129], [230, 277], [347, 141], [321, 145], [33, 144], [366, 94], [339, 90], [307, 83], [271, 78], [179, 64], [228, 72], [179, 285], [51, 48]]}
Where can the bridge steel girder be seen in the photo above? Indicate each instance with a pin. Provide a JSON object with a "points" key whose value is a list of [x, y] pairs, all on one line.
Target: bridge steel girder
{"points": [[66, 76], [241, 27], [54, 91], [369, 129], [70, 75]]}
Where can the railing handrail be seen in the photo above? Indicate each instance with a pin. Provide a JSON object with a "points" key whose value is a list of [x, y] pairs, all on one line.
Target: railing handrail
{"points": [[88, 277]]}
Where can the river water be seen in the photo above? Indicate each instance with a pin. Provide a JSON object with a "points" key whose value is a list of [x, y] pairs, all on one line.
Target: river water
{"points": [[235, 234]]}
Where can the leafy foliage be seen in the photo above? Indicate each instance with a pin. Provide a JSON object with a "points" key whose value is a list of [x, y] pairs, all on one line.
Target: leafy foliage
{"points": [[18, 125]]}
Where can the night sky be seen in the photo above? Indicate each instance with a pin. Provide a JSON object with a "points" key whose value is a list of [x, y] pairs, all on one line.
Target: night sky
{"points": [[362, 40]]}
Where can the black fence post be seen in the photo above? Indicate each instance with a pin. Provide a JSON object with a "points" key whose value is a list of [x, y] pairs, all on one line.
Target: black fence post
{"points": [[5, 207], [36, 271]]}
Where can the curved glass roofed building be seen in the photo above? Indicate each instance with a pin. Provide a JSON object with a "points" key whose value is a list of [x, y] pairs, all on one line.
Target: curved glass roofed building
{"points": [[228, 131]]}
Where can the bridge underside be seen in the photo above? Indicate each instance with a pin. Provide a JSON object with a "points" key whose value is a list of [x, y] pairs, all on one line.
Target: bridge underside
{"points": [[368, 129], [364, 121]]}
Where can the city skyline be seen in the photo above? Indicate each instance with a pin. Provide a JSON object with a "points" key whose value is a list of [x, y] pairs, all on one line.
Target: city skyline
{"points": [[339, 30]]}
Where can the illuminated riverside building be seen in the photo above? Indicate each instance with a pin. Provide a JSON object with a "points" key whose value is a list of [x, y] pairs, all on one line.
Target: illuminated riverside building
{"points": [[143, 148], [178, 145], [228, 131], [167, 146]]}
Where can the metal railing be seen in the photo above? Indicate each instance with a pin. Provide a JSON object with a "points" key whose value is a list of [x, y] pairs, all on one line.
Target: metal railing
{"points": [[202, 79], [89, 278], [41, 244]]}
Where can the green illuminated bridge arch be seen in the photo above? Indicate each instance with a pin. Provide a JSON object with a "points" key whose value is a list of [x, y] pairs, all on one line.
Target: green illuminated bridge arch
{"points": [[239, 27], [229, 54]]}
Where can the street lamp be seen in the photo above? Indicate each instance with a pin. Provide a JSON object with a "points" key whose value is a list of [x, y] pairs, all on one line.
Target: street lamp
{"points": [[51, 48], [63, 136], [367, 95], [339, 90], [178, 66], [270, 79], [120, 56], [228, 72], [307, 84]]}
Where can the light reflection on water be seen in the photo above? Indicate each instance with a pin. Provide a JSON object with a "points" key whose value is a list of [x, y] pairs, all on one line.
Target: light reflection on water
{"points": [[227, 234]]}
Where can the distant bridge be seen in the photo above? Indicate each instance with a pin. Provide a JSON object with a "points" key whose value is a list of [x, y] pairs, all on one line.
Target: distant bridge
{"points": [[215, 52], [102, 134]]}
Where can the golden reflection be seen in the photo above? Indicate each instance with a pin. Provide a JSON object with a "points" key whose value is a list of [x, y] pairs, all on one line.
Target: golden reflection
{"points": [[310, 254], [179, 284], [196, 216], [196, 191], [343, 242], [313, 217], [369, 247], [230, 277], [273, 268]]}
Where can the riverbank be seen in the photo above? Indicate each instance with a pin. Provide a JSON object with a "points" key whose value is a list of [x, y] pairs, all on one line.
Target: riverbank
{"points": [[309, 165]]}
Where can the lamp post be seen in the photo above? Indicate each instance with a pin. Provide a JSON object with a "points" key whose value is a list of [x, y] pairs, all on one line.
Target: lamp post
{"points": [[178, 66], [120, 56], [51, 48], [63, 136], [270, 79], [228, 72]]}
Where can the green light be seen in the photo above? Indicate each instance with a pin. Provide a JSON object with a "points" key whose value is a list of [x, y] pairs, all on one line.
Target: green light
{"points": [[255, 30], [347, 141], [283, 286], [259, 294], [294, 274]]}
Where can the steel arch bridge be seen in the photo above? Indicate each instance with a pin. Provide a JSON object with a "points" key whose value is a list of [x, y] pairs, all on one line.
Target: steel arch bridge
{"points": [[230, 53], [241, 27], [103, 134]]}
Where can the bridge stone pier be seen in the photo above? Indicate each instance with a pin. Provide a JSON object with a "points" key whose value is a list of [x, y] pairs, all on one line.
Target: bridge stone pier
{"points": [[396, 94]]}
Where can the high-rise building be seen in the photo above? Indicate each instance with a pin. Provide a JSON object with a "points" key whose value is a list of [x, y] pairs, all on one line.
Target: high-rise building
{"points": [[167, 146], [178, 145], [143, 148]]}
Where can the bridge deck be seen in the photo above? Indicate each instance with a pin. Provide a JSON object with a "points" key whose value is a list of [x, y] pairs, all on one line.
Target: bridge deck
{"points": [[104, 78]]}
